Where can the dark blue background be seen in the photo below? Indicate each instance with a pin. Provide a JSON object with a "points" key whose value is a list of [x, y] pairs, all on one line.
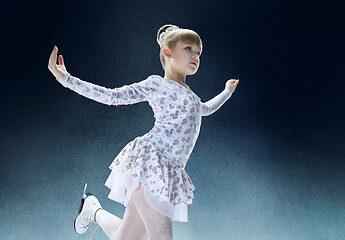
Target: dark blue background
{"points": [[269, 164]]}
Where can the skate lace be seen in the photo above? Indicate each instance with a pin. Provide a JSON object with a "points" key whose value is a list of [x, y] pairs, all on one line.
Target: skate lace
{"points": [[86, 222]]}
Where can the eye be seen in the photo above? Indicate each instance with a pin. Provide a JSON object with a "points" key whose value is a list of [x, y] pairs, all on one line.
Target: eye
{"points": [[199, 53]]}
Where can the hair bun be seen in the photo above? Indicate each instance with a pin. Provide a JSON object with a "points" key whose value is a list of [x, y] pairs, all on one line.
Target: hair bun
{"points": [[163, 31]]}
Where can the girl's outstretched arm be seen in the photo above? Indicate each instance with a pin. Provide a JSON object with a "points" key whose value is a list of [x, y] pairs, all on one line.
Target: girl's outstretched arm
{"points": [[127, 94], [212, 105]]}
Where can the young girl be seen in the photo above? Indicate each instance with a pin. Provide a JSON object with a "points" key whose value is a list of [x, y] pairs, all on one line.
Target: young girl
{"points": [[148, 176]]}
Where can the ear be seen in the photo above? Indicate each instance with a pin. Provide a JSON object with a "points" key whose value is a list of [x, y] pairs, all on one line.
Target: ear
{"points": [[166, 51]]}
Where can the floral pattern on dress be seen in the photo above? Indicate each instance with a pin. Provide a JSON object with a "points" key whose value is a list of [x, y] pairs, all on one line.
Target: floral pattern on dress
{"points": [[158, 158]]}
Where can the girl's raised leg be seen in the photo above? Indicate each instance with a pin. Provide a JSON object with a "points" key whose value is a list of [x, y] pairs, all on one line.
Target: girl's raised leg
{"points": [[107, 221], [131, 227], [159, 227]]}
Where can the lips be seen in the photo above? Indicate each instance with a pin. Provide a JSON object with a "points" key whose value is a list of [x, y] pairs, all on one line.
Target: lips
{"points": [[194, 63]]}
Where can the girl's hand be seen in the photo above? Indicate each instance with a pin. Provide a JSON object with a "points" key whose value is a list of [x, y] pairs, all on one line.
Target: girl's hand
{"points": [[57, 70], [232, 84]]}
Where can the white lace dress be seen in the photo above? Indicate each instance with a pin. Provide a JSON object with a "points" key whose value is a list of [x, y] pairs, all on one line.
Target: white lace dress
{"points": [[158, 158]]}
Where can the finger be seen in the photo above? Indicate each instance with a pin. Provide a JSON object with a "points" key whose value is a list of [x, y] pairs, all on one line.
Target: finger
{"points": [[52, 59], [60, 60]]}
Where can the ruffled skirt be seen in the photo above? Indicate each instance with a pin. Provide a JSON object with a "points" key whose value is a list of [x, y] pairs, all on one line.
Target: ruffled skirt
{"points": [[168, 188]]}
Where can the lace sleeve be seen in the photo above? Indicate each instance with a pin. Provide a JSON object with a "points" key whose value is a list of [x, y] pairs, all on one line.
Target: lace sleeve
{"points": [[127, 94], [215, 103]]}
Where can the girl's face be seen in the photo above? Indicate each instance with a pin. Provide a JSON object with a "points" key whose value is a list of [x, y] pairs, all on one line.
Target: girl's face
{"points": [[182, 57]]}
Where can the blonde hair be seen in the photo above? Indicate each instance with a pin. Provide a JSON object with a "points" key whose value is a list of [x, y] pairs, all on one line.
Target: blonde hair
{"points": [[172, 37]]}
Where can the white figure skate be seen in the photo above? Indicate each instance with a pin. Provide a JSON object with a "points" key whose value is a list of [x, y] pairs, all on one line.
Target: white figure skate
{"points": [[87, 212]]}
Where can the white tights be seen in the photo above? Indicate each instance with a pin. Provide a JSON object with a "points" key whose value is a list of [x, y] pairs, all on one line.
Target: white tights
{"points": [[139, 219]]}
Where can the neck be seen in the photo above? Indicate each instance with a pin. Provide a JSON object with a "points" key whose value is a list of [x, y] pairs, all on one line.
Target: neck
{"points": [[174, 75]]}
